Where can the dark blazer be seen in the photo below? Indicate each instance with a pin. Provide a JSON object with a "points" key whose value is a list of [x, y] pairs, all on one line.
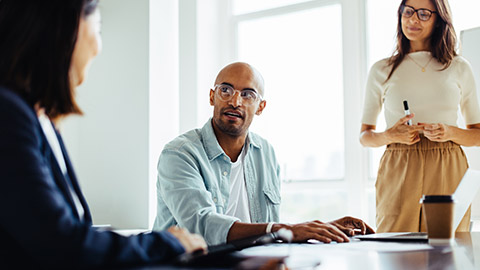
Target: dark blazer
{"points": [[39, 224]]}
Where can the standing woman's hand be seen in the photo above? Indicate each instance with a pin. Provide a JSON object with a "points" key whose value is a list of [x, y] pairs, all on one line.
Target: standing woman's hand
{"points": [[403, 133], [437, 132]]}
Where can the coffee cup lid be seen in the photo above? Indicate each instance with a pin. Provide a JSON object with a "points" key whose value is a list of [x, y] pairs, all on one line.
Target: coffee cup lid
{"points": [[437, 199]]}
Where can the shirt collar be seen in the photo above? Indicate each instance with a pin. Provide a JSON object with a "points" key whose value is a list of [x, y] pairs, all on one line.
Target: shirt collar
{"points": [[213, 148]]}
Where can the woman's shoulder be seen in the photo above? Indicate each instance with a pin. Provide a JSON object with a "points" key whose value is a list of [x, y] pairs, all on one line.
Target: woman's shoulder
{"points": [[380, 69], [12, 105], [461, 64], [460, 61], [10, 98], [381, 64]]}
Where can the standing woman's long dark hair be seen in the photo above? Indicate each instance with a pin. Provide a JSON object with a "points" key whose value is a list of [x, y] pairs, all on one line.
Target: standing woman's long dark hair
{"points": [[443, 39], [36, 46]]}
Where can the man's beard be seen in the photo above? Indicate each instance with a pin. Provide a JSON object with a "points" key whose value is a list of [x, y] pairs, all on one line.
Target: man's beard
{"points": [[228, 129]]}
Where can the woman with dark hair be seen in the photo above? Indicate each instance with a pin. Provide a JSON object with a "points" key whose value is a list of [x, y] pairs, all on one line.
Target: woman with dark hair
{"points": [[423, 154], [45, 49]]}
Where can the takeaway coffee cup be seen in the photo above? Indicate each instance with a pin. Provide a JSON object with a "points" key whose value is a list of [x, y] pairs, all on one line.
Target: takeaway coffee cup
{"points": [[438, 211]]}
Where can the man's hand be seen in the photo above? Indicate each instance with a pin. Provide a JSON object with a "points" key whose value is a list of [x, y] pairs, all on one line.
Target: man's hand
{"points": [[316, 230], [352, 226], [337, 230], [191, 242]]}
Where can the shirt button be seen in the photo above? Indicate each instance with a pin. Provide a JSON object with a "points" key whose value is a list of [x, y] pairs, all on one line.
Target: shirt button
{"points": [[225, 158], [225, 173], [215, 200], [224, 200]]}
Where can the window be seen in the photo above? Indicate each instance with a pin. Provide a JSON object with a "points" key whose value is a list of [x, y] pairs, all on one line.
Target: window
{"points": [[299, 47], [303, 75], [381, 27], [246, 6]]}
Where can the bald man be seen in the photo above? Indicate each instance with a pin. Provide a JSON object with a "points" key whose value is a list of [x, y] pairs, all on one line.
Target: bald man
{"points": [[222, 181]]}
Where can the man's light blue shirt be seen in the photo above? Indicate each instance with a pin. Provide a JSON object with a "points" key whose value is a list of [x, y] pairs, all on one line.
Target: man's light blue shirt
{"points": [[193, 184]]}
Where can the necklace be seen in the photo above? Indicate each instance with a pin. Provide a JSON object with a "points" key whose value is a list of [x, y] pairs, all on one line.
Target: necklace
{"points": [[422, 67]]}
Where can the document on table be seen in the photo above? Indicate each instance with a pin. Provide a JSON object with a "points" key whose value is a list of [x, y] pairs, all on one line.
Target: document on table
{"points": [[386, 246]]}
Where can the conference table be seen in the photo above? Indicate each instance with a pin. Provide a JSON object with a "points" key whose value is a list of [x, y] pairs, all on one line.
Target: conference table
{"points": [[372, 255]]}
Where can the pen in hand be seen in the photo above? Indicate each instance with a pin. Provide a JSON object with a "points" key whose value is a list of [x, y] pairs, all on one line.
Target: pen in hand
{"points": [[407, 111]]}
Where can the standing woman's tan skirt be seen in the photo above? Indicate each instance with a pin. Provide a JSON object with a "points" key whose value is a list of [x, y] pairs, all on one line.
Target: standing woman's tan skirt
{"points": [[409, 171]]}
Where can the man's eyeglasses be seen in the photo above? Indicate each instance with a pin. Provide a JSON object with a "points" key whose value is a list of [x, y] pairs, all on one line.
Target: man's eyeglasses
{"points": [[226, 93], [423, 14]]}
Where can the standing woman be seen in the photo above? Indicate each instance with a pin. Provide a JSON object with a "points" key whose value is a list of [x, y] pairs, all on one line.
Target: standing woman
{"points": [[425, 157], [45, 49]]}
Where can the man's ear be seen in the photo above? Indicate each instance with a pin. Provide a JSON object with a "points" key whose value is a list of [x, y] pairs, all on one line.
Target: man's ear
{"points": [[212, 96], [261, 106]]}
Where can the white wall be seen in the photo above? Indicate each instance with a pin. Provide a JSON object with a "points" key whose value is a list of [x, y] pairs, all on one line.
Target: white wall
{"points": [[130, 100]]}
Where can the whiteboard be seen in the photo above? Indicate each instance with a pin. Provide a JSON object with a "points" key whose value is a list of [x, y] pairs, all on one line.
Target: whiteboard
{"points": [[470, 49]]}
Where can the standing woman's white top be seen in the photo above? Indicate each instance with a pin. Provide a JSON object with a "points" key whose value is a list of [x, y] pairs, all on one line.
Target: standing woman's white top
{"points": [[433, 95]]}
